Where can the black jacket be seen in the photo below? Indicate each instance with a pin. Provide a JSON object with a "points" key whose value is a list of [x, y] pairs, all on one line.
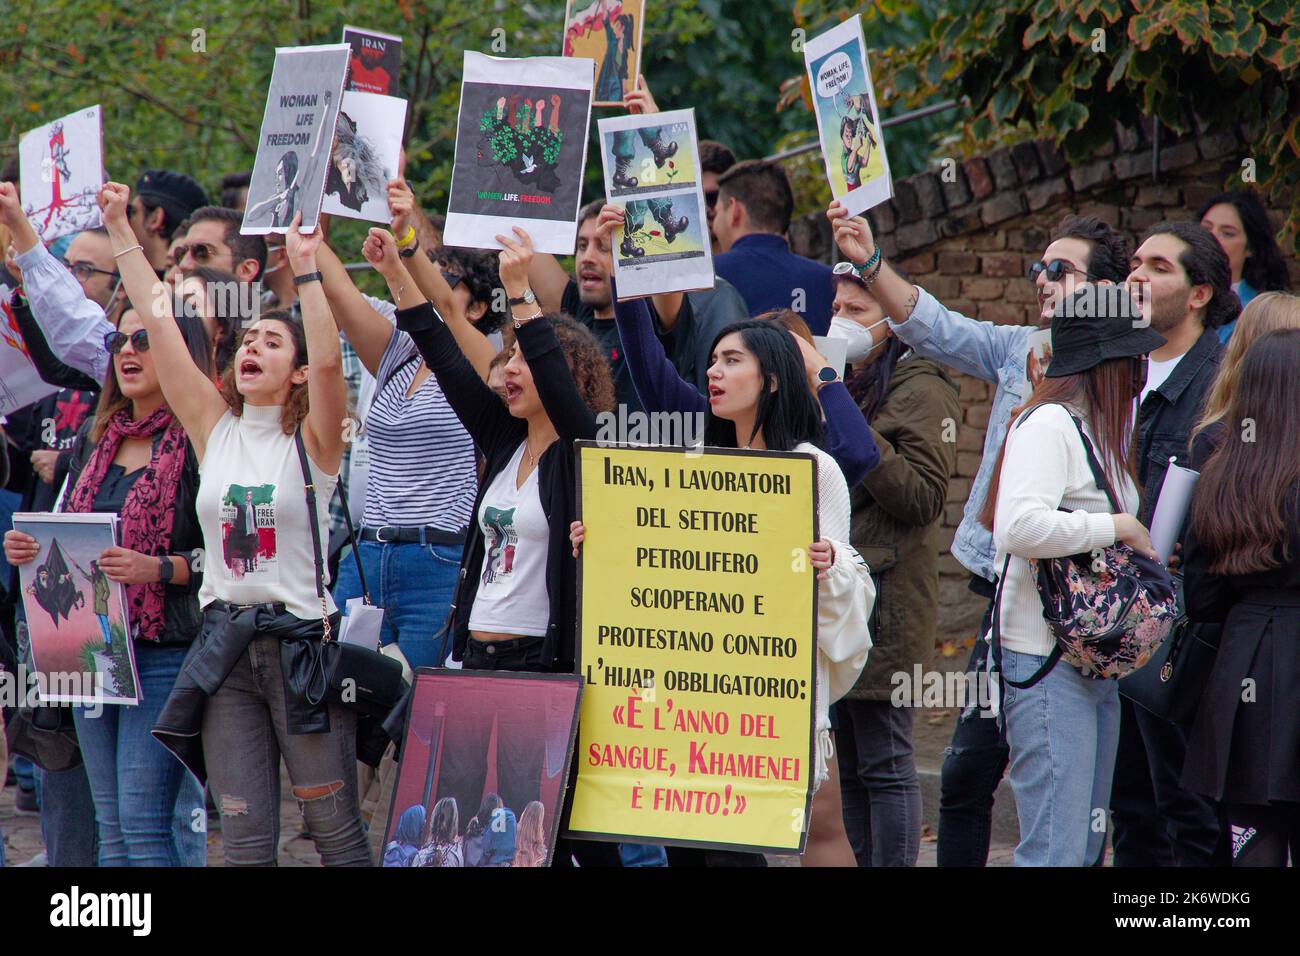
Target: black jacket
{"points": [[47, 363], [181, 602], [498, 435], [1169, 414]]}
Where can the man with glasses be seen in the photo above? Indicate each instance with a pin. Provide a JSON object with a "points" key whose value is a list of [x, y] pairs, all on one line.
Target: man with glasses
{"points": [[715, 159], [1082, 249], [214, 240]]}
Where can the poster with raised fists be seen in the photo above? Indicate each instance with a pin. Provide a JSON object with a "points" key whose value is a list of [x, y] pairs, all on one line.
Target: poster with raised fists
{"points": [[848, 123]]}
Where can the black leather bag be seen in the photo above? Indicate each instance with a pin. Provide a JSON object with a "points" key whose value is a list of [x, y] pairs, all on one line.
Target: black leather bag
{"points": [[348, 674], [1173, 681]]}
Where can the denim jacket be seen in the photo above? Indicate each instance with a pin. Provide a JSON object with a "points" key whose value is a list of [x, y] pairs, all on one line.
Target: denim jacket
{"points": [[995, 353]]}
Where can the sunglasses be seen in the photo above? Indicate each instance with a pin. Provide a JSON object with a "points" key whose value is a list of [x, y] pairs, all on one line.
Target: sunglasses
{"points": [[452, 279], [202, 252], [82, 271], [710, 197], [1056, 270], [116, 341]]}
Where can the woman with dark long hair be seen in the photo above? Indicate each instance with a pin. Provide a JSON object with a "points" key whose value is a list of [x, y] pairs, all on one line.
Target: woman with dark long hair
{"points": [[759, 398], [267, 438], [1045, 502], [913, 407], [1239, 221], [133, 459], [1242, 567]]}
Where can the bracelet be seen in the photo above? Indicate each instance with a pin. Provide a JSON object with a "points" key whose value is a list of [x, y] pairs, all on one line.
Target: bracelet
{"points": [[131, 249], [875, 274], [520, 323], [862, 269], [408, 237], [308, 277], [409, 250]]}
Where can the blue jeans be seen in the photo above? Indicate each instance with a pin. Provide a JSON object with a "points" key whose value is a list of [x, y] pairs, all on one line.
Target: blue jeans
{"points": [[67, 817], [415, 585], [135, 781], [1063, 733]]}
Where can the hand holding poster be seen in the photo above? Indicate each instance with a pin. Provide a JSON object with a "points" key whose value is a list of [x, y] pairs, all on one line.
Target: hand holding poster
{"points": [[375, 58], [847, 122], [82, 646], [609, 32], [521, 147], [485, 764], [296, 139], [61, 169], [367, 147], [697, 641], [652, 170]]}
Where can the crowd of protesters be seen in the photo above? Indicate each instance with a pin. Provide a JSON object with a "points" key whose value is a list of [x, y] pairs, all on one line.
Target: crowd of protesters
{"points": [[446, 401]]}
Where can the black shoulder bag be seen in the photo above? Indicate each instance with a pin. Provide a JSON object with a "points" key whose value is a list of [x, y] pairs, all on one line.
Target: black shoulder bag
{"points": [[346, 674]]}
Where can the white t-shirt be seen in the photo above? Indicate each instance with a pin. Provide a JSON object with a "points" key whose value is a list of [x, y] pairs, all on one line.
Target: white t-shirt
{"points": [[1157, 372], [512, 596], [252, 509]]}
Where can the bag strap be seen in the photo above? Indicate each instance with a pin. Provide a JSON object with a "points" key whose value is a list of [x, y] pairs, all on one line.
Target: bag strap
{"points": [[1098, 473], [995, 640], [313, 519]]}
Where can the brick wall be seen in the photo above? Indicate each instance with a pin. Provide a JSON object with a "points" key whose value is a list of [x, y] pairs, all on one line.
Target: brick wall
{"points": [[970, 240]]}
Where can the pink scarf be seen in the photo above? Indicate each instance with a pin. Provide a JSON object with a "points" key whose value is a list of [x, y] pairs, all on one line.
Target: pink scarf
{"points": [[149, 511]]}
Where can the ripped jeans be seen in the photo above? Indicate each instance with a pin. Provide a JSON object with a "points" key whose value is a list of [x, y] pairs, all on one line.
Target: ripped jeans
{"points": [[245, 734]]}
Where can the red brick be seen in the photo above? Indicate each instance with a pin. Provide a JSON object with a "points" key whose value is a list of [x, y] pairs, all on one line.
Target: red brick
{"points": [[1165, 194], [1178, 155], [915, 235], [968, 463], [973, 389], [1002, 207], [1002, 313], [989, 239], [1140, 220], [1022, 292], [918, 264], [964, 306], [957, 263], [1089, 174], [1041, 195], [942, 287], [982, 289], [958, 489], [977, 416], [968, 439], [979, 177], [1002, 264]]}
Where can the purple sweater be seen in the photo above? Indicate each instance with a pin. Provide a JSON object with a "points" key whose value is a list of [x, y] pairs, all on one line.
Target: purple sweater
{"points": [[848, 437]]}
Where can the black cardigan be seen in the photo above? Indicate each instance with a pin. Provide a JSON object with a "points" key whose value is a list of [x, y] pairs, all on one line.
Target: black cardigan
{"points": [[498, 434]]}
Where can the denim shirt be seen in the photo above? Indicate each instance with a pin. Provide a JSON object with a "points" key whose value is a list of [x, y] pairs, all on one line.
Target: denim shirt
{"points": [[995, 353]]}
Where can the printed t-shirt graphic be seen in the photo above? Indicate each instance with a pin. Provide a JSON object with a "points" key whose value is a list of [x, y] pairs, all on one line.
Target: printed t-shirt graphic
{"points": [[248, 532], [502, 539]]}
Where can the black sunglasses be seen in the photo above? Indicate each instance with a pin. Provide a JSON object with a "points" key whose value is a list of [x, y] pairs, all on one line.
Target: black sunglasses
{"points": [[201, 251], [1056, 270], [452, 279], [116, 341], [710, 197]]}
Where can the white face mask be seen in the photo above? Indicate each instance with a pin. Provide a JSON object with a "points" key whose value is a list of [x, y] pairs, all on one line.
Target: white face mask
{"points": [[857, 336]]}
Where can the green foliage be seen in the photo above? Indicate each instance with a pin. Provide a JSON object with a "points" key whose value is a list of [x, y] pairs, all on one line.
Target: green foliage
{"points": [[1070, 70]]}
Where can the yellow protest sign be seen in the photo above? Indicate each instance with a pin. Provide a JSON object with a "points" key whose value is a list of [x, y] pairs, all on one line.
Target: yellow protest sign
{"points": [[697, 642]]}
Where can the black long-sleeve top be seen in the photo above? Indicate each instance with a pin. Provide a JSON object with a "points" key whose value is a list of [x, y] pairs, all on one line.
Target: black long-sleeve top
{"points": [[498, 435]]}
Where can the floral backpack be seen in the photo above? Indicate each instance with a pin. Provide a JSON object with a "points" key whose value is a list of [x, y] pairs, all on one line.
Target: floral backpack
{"points": [[1109, 609]]}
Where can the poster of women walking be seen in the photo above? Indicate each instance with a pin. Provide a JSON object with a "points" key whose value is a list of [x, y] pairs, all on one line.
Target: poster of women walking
{"points": [[77, 618]]}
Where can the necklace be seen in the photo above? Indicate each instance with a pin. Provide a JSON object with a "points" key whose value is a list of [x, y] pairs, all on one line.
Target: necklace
{"points": [[532, 459]]}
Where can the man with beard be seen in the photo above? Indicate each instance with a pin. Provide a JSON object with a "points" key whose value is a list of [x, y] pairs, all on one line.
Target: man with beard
{"points": [[1185, 284], [682, 320]]}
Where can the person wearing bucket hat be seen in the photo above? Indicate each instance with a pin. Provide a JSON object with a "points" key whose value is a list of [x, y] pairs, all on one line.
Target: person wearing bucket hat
{"points": [[1044, 502]]}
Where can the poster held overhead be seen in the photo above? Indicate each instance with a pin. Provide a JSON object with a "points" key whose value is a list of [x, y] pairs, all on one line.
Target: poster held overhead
{"points": [[651, 165], [20, 383], [294, 144], [374, 60], [81, 634], [609, 32], [848, 124], [367, 146], [521, 147], [61, 167]]}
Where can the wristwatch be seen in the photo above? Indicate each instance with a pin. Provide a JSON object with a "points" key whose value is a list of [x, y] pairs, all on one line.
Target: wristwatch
{"points": [[410, 250], [825, 376], [527, 298], [165, 569]]}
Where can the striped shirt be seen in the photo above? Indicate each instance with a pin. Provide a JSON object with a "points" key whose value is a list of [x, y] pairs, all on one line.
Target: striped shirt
{"points": [[423, 467]]}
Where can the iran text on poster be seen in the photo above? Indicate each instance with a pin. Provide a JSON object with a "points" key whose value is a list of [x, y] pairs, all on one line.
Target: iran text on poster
{"points": [[61, 170], [293, 146], [484, 770], [367, 146], [374, 60], [20, 383], [697, 642], [609, 32], [521, 147], [651, 165], [847, 122], [82, 647]]}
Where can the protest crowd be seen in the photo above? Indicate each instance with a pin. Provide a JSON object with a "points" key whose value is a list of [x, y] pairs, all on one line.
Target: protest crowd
{"points": [[417, 452]]}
